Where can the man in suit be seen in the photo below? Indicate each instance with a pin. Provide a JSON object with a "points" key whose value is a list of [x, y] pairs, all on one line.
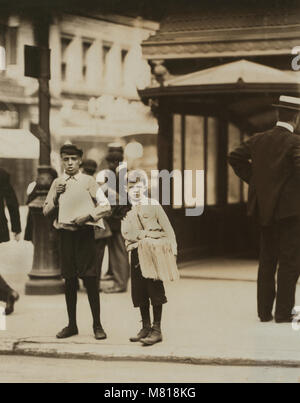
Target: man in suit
{"points": [[8, 198], [270, 163]]}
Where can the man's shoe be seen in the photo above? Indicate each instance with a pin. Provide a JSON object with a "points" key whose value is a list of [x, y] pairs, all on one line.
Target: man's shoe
{"points": [[10, 303], [114, 290], [284, 320], [99, 333], [67, 332], [267, 319], [107, 277], [144, 333], [155, 336]]}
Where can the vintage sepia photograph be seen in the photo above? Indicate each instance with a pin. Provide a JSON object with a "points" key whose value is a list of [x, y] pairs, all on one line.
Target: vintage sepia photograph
{"points": [[149, 194]]}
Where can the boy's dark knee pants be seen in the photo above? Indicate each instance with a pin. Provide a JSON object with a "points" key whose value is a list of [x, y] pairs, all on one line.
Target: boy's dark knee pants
{"points": [[144, 290]]}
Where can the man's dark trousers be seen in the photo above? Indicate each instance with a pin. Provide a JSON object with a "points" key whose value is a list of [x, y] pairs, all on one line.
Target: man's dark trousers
{"points": [[280, 244], [5, 290]]}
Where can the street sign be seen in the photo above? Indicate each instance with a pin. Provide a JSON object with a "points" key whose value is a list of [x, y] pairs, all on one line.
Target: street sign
{"points": [[39, 133], [34, 57]]}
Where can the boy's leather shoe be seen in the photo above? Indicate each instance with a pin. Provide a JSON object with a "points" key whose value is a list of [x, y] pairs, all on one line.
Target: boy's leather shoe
{"points": [[155, 336], [67, 332], [141, 335], [99, 333], [12, 298]]}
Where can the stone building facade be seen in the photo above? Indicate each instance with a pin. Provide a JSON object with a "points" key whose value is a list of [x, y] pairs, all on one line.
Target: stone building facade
{"points": [[96, 69]]}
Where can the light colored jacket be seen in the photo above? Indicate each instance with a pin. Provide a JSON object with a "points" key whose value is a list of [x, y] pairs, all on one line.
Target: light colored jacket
{"points": [[147, 220]]}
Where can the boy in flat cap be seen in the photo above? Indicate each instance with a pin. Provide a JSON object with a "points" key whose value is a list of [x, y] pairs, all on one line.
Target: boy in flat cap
{"points": [[80, 206]]}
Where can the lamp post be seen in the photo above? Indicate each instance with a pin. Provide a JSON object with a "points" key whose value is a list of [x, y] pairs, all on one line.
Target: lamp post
{"points": [[44, 279]]}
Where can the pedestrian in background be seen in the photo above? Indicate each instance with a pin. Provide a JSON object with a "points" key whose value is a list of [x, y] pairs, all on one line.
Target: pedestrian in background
{"points": [[8, 197], [119, 267], [270, 163], [89, 167], [32, 194]]}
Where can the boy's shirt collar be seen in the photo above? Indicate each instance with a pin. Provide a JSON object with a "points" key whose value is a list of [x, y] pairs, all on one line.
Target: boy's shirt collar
{"points": [[145, 201], [68, 177], [142, 202]]}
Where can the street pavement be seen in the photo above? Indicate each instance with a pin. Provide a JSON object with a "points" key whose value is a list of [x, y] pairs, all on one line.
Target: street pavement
{"points": [[49, 370], [207, 321]]}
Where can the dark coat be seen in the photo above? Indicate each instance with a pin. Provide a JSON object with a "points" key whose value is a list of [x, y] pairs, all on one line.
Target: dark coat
{"points": [[270, 163], [28, 236], [8, 198]]}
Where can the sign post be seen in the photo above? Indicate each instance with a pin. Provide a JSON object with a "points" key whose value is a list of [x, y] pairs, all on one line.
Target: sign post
{"points": [[44, 279]]}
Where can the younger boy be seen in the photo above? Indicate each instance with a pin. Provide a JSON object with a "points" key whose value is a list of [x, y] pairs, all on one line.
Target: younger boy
{"points": [[80, 205], [146, 219]]}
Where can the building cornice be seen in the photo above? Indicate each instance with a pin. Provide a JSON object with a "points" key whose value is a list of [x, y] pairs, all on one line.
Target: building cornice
{"points": [[232, 48], [135, 22]]}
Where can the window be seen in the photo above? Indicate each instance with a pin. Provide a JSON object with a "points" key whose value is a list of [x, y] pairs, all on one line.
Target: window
{"points": [[194, 154], [2, 35], [245, 185], [106, 49], [177, 151], [212, 162], [11, 45], [237, 189], [195, 148], [65, 45], [86, 46], [234, 183], [2, 59], [124, 54], [177, 142], [2, 49], [9, 42]]}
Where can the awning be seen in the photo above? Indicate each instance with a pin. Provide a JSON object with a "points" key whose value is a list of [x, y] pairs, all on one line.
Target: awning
{"points": [[235, 72], [239, 76], [18, 143], [108, 130], [243, 90]]}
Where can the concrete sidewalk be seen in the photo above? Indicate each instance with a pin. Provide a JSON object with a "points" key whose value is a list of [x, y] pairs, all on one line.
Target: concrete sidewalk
{"points": [[220, 269], [205, 322]]}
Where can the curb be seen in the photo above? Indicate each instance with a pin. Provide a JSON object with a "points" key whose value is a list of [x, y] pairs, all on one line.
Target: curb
{"points": [[121, 353], [210, 278]]}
